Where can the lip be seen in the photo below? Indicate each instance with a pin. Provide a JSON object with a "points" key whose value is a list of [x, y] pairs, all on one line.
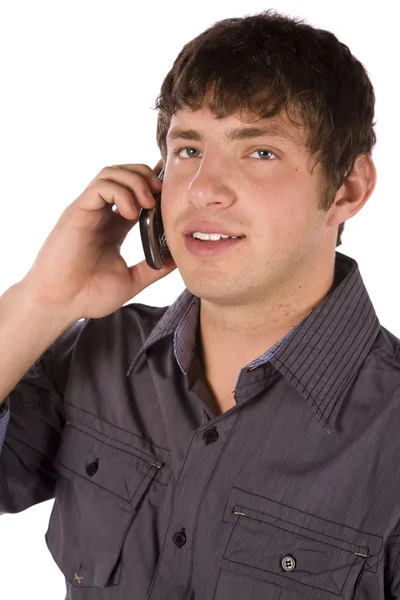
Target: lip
{"points": [[209, 227], [210, 250]]}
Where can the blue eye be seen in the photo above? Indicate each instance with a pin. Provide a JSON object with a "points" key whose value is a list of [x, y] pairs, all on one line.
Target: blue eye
{"points": [[263, 153], [191, 152]]}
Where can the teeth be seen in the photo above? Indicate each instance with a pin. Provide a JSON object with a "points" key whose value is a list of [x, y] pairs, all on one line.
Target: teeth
{"points": [[212, 236]]}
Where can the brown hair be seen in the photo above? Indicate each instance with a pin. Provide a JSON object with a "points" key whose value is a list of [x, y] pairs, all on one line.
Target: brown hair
{"points": [[268, 63]]}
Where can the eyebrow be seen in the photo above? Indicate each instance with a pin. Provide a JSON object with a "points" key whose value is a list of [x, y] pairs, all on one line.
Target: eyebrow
{"points": [[239, 133]]}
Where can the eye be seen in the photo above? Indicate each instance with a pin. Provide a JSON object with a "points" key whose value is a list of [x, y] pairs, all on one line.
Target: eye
{"points": [[262, 153], [191, 152]]}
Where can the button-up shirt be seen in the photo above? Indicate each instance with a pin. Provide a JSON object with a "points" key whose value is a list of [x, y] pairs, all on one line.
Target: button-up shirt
{"points": [[293, 493]]}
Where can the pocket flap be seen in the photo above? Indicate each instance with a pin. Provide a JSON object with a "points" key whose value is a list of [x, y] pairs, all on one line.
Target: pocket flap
{"points": [[109, 467], [293, 549], [97, 496]]}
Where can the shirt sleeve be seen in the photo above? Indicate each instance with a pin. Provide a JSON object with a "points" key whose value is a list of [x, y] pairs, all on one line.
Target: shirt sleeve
{"points": [[32, 426], [4, 419]]}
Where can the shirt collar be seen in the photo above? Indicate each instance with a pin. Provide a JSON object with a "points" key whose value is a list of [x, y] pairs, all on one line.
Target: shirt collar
{"points": [[319, 357]]}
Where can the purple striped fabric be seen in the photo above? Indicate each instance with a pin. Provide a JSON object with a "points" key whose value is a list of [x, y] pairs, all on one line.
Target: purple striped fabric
{"points": [[4, 419]]}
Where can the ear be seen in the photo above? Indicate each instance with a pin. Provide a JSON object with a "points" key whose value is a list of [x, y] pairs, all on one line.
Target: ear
{"points": [[355, 191]]}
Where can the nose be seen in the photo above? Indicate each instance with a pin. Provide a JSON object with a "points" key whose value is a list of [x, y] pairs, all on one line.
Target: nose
{"points": [[211, 185]]}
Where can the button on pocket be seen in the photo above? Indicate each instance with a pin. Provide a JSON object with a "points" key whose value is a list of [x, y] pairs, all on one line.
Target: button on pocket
{"points": [[91, 469], [269, 542], [288, 563], [98, 493]]}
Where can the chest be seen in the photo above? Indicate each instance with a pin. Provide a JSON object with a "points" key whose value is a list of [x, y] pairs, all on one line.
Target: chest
{"points": [[277, 508]]}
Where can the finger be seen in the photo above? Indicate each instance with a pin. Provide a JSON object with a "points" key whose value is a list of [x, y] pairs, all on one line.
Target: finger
{"points": [[103, 192], [147, 174], [140, 169], [141, 189], [144, 275]]}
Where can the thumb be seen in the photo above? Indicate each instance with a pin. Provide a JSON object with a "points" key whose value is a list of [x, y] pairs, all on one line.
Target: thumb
{"points": [[142, 275]]}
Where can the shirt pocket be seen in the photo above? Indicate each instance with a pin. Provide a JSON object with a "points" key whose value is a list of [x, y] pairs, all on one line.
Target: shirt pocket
{"points": [[99, 491], [290, 553]]}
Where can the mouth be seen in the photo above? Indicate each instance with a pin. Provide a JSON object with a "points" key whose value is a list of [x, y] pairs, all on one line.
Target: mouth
{"points": [[212, 248], [218, 238]]}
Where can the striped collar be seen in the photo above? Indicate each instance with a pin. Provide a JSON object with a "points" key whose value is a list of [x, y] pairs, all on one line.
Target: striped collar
{"points": [[319, 357]]}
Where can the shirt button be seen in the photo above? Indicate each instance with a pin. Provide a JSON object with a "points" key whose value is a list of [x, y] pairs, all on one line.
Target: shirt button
{"points": [[210, 435], [91, 469], [180, 539], [288, 563]]}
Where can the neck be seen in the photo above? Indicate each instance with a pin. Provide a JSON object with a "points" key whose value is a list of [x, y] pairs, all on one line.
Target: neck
{"points": [[232, 336]]}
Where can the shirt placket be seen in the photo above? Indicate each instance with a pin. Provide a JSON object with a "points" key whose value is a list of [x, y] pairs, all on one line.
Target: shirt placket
{"points": [[173, 575]]}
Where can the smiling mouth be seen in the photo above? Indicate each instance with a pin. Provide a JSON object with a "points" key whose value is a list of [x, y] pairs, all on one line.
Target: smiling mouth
{"points": [[218, 237]]}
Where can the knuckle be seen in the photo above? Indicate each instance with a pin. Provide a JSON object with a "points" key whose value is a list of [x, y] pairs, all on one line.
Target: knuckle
{"points": [[131, 185], [145, 167], [97, 181], [106, 171]]}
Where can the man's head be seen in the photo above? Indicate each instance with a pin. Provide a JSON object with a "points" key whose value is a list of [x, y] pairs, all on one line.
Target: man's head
{"points": [[289, 196]]}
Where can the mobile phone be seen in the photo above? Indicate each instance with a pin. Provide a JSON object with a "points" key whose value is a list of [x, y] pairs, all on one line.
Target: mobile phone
{"points": [[154, 243]]}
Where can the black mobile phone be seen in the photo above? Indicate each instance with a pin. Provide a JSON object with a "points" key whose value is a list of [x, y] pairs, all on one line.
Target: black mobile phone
{"points": [[154, 243]]}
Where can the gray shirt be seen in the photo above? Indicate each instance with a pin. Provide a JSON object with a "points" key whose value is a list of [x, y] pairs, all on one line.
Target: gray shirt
{"points": [[294, 493]]}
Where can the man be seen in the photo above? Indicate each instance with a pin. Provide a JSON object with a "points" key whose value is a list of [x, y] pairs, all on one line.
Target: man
{"points": [[241, 443]]}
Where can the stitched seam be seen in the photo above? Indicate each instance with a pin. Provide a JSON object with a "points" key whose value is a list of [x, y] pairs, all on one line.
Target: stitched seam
{"points": [[396, 565], [306, 513], [339, 340], [324, 535], [302, 535], [216, 585], [209, 482], [91, 482], [311, 401], [112, 424], [336, 587], [182, 318], [170, 516], [116, 447], [351, 350], [327, 320], [280, 575], [353, 370], [372, 567], [348, 573]]}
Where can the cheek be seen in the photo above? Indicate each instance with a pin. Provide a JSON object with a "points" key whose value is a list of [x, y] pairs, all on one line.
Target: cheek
{"points": [[286, 209], [171, 212], [169, 200]]}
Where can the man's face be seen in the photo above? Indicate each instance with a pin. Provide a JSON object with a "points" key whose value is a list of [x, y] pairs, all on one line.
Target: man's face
{"points": [[259, 186]]}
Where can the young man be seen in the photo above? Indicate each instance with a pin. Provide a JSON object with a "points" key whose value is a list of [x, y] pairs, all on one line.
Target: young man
{"points": [[243, 442]]}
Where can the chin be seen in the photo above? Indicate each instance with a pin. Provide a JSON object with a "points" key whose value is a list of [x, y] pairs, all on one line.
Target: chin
{"points": [[214, 290]]}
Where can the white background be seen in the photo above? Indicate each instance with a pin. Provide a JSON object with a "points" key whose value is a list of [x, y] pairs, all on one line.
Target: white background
{"points": [[78, 83]]}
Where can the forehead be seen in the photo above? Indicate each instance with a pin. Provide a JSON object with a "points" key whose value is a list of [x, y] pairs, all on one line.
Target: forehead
{"points": [[201, 123]]}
